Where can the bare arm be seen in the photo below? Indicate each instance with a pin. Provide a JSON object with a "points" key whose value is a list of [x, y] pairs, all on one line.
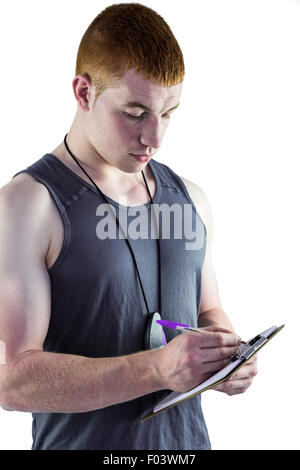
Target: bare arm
{"points": [[211, 311], [31, 379], [64, 383]]}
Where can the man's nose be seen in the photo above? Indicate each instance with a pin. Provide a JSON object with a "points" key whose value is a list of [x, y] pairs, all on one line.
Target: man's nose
{"points": [[152, 135]]}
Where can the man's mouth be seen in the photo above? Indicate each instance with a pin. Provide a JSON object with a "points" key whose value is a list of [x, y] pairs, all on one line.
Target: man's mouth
{"points": [[141, 158]]}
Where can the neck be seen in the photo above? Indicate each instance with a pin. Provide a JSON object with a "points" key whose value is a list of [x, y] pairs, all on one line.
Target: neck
{"points": [[93, 163]]}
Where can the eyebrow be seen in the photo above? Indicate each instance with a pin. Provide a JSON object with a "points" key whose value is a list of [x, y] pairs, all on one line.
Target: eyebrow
{"points": [[134, 104]]}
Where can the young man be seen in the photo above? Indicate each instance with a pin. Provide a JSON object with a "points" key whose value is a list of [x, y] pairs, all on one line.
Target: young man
{"points": [[72, 315]]}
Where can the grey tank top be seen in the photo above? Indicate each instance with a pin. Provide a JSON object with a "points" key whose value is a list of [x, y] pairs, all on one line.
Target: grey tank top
{"points": [[98, 310]]}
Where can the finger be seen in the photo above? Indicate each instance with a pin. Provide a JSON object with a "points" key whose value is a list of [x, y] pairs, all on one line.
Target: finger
{"points": [[211, 339], [220, 329], [244, 376], [217, 328], [244, 372], [236, 391], [241, 384], [217, 354], [213, 366], [252, 361]]}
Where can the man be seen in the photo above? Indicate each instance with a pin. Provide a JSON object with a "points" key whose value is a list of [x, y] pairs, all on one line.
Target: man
{"points": [[72, 317]]}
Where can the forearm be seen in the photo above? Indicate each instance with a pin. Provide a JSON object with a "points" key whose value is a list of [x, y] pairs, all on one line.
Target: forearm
{"points": [[64, 383], [215, 316]]}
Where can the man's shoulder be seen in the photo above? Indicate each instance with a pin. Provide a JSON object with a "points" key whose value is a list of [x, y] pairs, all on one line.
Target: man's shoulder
{"points": [[200, 200], [26, 207], [196, 192], [23, 190]]}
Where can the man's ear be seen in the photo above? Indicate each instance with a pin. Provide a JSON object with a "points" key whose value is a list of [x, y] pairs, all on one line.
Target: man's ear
{"points": [[84, 91]]}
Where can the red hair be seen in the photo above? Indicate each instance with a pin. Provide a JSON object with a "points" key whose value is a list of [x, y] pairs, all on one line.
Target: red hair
{"points": [[129, 35]]}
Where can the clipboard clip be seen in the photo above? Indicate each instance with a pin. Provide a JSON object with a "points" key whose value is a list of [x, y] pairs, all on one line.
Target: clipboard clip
{"points": [[245, 350]]}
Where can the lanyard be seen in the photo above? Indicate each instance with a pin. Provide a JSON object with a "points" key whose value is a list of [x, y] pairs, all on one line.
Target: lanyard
{"points": [[154, 331]]}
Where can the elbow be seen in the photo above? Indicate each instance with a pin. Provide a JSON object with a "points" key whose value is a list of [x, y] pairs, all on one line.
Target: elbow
{"points": [[6, 392], [10, 401], [5, 401], [15, 386], [6, 408]]}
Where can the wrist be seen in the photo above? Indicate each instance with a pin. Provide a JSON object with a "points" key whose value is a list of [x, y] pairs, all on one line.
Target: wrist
{"points": [[156, 363]]}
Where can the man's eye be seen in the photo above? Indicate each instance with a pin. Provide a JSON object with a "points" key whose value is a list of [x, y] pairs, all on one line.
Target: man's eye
{"points": [[132, 116]]}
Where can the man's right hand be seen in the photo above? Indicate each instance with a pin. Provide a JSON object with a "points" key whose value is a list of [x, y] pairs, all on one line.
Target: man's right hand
{"points": [[190, 358]]}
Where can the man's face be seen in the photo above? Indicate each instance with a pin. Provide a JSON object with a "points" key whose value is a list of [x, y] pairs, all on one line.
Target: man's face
{"points": [[117, 128]]}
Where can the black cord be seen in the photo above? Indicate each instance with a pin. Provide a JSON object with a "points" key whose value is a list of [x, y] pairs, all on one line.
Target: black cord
{"points": [[129, 246]]}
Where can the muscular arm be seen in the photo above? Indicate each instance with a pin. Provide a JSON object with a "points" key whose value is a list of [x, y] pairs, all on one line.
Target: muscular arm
{"points": [[211, 312], [31, 379]]}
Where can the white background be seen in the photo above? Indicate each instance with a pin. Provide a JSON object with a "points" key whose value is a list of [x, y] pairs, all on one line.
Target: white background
{"points": [[236, 135]]}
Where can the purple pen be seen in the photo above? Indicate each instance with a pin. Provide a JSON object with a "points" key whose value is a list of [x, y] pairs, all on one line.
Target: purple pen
{"points": [[176, 325]]}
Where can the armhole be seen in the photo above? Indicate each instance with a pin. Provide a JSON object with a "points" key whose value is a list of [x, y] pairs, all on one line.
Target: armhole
{"points": [[63, 215], [186, 193]]}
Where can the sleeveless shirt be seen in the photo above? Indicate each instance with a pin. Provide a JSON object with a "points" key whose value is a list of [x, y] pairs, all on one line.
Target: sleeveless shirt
{"points": [[98, 310]]}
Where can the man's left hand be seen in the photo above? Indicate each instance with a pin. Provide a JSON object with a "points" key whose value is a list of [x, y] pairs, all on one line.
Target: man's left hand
{"points": [[241, 380]]}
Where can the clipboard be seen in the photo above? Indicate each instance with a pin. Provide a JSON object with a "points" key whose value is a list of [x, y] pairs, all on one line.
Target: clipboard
{"points": [[244, 352]]}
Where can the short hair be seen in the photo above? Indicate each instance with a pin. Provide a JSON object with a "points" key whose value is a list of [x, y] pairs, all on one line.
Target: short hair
{"points": [[124, 36]]}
